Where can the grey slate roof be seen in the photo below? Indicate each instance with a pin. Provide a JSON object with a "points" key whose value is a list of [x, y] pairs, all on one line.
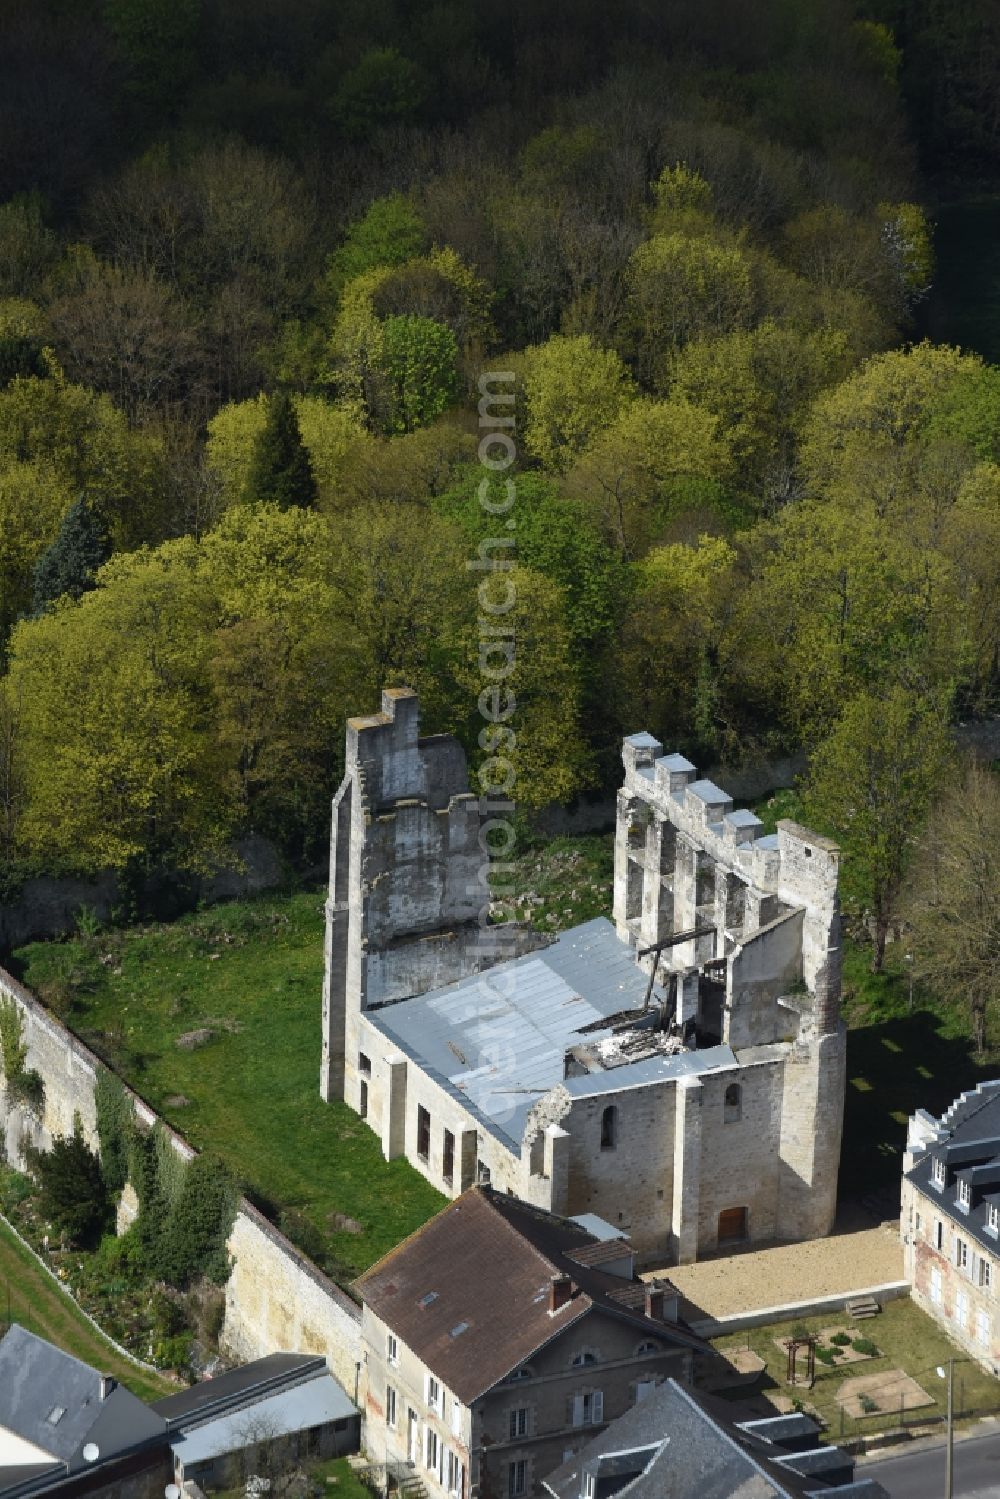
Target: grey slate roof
{"points": [[498, 1039], [687, 1446], [254, 1380], [38, 1380], [971, 1153], [317, 1401]]}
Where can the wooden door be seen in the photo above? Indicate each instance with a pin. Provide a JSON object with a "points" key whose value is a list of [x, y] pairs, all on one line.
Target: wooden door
{"points": [[732, 1225]]}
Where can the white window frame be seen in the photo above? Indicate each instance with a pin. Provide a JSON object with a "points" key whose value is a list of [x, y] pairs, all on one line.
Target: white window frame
{"points": [[430, 1449], [517, 1478], [588, 1408], [962, 1308], [433, 1395], [983, 1327], [936, 1291], [985, 1273], [517, 1423], [390, 1406], [391, 1350], [964, 1194], [993, 1219], [961, 1254], [939, 1172]]}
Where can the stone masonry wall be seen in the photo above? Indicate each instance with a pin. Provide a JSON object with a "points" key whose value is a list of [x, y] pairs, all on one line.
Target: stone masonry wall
{"points": [[276, 1300]]}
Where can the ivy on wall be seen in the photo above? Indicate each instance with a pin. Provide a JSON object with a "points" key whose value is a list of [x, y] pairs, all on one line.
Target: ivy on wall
{"points": [[23, 1084]]}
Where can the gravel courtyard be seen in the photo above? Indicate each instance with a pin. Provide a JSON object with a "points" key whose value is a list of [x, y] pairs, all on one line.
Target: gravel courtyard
{"points": [[787, 1273]]}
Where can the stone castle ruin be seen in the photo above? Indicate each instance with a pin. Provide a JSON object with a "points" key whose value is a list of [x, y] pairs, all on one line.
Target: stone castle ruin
{"points": [[679, 1071]]}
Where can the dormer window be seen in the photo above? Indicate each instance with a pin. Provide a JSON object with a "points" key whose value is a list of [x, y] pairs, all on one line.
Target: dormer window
{"points": [[964, 1195], [993, 1219], [938, 1172]]}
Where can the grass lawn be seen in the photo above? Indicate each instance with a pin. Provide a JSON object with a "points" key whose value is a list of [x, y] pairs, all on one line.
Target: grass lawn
{"points": [[906, 1339], [251, 973], [29, 1296]]}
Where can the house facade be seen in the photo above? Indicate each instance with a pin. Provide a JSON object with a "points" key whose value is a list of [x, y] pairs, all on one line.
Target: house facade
{"points": [[498, 1339], [678, 1071], [950, 1220]]}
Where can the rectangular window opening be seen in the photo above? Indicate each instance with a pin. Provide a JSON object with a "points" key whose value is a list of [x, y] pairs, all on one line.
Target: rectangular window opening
{"points": [[423, 1132]]}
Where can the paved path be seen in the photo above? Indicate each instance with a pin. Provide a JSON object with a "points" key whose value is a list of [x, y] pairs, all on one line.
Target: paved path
{"points": [[920, 1475], [788, 1272]]}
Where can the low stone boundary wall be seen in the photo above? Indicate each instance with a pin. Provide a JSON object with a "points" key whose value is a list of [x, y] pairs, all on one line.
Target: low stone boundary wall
{"points": [[718, 1327], [276, 1299]]}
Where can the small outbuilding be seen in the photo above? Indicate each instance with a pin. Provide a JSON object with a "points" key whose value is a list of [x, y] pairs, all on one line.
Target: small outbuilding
{"points": [[259, 1419]]}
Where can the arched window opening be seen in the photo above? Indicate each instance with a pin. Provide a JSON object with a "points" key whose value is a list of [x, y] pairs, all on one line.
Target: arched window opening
{"points": [[733, 1103], [609, 1128]]}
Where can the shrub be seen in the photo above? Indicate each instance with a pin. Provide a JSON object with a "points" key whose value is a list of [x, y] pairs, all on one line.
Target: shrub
{"points": [[868, 1405], [866, 1346], [841, 1339], [194, 1237], [71, 1187], [826, 1355], [114, 1128]]}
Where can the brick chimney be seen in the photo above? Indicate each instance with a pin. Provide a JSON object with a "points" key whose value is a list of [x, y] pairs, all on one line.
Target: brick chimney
{"points": [[654, 1301], [560, 1291]]}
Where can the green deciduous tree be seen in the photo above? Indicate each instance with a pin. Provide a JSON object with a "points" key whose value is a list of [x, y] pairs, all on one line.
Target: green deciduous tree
{"points": [[391, 232], [420, 358], [653, 462], [383, 89], [121, 759], [871, 783], [953, 900], [70, 564], [573, 389], [281, 472], [683, 287]]}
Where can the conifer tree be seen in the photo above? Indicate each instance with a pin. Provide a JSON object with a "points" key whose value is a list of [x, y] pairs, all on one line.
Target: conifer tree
{"points": [[68, 566], [282, 472], [73, 1193]]}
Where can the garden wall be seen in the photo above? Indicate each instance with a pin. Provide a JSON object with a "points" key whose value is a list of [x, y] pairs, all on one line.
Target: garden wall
{"points": [[276, 1299]]}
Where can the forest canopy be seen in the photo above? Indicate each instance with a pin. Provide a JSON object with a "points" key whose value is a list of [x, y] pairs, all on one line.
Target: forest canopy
{"points": [[245, 303]]}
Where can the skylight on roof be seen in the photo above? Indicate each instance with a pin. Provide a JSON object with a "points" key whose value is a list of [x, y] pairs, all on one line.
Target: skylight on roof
{"points": [[426, 1300], [55, 1415], [458, 1330]]}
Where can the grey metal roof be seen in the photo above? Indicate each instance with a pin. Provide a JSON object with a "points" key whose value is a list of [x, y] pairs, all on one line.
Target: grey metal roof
{"points": [[742, 817], [248, 1382], [643, 741], [658, 1069], [599, 1227], [709, 792], [770, 840], [676, 763], [52, 1400], [315, 1403], [498, 1039]]}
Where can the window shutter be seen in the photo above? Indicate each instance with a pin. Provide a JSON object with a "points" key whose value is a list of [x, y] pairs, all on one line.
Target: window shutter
{"points": [[598, 1406], [577, 1410]]}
